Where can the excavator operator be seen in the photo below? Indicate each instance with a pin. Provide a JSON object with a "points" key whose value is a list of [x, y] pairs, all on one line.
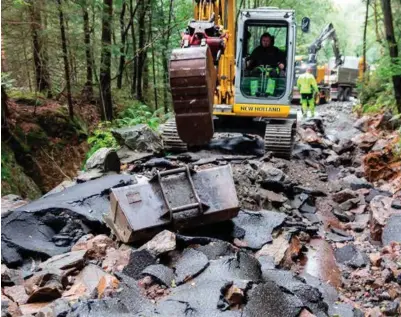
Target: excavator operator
{"points": [[266, 54], [307, 87]]}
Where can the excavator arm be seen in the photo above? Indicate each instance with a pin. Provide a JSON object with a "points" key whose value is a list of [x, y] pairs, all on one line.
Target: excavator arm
{"points": [[202, 71], [328, 32]]}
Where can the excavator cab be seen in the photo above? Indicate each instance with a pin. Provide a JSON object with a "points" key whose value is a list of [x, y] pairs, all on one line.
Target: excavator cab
{"points": [[264, 74]]}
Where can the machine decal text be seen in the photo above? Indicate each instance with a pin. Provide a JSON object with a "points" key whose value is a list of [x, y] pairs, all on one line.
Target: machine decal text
{"points": [[260, 109]]}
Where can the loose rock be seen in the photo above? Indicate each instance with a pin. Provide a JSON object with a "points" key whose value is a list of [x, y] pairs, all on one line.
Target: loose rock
{"points": [[160, 243]]}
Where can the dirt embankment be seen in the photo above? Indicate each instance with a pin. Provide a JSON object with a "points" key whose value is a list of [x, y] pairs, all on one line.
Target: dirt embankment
{"points": [[47, 145]]}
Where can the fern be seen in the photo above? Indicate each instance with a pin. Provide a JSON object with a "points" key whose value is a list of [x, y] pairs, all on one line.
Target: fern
{"points": [[140, 114], [101, 137]]}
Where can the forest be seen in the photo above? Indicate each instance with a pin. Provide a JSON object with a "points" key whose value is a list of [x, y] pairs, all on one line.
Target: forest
{"points": [[114, 55], [78, 49], [158, 159]]}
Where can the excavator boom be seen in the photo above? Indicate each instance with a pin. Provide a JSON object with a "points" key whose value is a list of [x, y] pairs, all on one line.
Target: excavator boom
{"points": [[328, 32], [202, 70]]}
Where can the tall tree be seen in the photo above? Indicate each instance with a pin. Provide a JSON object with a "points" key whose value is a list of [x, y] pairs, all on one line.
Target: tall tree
{"points": [[65, 58], [122, 47], [105, 72], [135, 61], [88, 88], [364, 35], [165, 54], [141, 59], [153, 60], [39, 53], [4, 97], [393, 49]]}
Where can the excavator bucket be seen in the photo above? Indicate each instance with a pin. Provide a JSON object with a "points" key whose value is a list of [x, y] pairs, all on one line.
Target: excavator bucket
{"points": [[173, 199], [192, 82]]}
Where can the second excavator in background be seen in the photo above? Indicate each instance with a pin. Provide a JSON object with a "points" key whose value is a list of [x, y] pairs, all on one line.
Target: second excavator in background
{"points": [[337, 79], [214, 89]]}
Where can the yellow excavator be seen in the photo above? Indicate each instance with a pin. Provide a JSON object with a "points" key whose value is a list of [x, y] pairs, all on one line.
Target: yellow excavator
{"points": [[214, 89]]}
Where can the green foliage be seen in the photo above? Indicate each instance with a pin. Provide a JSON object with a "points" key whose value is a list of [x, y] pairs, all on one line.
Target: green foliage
{"points": [[376, 91], [140, 113], [28, 97], [135, 113], [101, 137], [80, 126], [6, 80]]}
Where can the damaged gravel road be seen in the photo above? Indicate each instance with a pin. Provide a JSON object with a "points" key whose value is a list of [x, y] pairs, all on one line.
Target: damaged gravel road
{"points": [[316, 236]]}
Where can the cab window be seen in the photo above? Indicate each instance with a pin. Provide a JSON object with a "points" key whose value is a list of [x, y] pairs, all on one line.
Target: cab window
{"points": [[264, 56]]}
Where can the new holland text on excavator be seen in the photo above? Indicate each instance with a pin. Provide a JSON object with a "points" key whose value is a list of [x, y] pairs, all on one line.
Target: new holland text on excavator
{"points": [[234, 76]]}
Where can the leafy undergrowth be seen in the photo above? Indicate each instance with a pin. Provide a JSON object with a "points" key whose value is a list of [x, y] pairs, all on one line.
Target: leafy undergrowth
{"points": [[376, 92], [133, 114]]}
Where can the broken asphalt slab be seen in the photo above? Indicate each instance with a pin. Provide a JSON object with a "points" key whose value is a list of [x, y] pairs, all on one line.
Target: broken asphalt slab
{"points": [[161, 273], [89, 199], [310, 296], [258, 226], [351, 256], [51, 225], [191, 264], [269, 300]]}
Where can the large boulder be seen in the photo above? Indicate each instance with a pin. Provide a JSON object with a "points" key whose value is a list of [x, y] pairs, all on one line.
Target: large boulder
{"points": [[104, 159], [140, 138]]}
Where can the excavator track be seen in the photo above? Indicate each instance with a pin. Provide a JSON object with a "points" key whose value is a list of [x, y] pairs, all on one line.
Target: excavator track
{"points": [[192, 82], [171, 139], [279, 138]]}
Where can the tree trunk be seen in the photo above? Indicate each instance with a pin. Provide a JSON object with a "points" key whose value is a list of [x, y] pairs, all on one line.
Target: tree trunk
{"points": [[135, 63], [146, 63], [39, 56], [4, 98], [165, 57], [27, 64], [142, 51], [122, 48], [364, 36], [71, 58], [105, 73], [153, 60], [65, 57], [88, 88], [393, 49]]}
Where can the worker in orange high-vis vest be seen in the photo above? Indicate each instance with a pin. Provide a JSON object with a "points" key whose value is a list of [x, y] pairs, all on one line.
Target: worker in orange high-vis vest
{"points": [[307, 87]]}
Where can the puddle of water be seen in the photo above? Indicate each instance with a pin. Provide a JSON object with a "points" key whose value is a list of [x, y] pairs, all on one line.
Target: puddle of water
{"points": [[320, 262]]}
